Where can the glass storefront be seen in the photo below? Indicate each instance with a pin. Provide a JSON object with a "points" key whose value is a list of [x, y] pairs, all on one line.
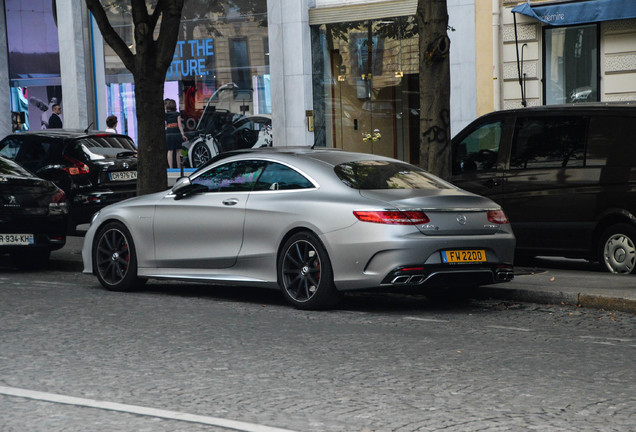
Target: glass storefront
{"points": [[571, 64], [221, 57], [34, 61], [366, 88]]}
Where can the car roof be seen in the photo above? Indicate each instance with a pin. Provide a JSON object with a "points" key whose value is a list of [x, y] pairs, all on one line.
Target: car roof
{"points": [[565, 108], [331, 156], [64, 133]]}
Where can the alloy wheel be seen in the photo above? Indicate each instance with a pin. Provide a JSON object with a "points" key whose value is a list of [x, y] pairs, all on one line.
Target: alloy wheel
{"points": [[301, 271], [200, 155], [113, 256]]}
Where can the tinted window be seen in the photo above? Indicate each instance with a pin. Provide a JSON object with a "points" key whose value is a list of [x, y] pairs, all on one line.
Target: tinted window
{"points": [[281, 177], [548, 142], [101, 147], [375, 174], [479, 150], [231, 177], [10, 147], [612, 141], [33, 154]]}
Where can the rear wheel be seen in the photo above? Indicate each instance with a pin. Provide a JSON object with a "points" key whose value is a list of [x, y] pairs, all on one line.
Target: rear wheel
{"points": [[305, 275], [114, 258], [200, 154], [617, 249]]}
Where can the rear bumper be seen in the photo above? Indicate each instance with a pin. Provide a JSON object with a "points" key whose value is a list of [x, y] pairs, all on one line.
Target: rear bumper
{"points": [[48, 232]]}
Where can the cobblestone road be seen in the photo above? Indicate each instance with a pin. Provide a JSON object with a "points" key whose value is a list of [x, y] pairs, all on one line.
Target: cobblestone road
{"points": [[379, 363]]}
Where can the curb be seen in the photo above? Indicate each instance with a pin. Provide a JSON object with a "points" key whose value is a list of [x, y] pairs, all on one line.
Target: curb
{"points": [[558, 297]]}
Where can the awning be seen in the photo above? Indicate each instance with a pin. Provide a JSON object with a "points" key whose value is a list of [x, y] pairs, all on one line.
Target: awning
{"points": [[580, 12]]}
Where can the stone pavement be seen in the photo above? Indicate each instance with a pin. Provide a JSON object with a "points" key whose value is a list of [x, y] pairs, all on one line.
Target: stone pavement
{"points": [[543, 280]]}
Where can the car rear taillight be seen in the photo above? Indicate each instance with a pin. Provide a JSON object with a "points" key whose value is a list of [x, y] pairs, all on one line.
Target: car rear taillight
{"points": [[498, 217], [58, 203], [77, 168], [393, 217]]}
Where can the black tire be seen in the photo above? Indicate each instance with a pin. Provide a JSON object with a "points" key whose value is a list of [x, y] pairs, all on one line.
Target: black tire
{"points": [[30, 259], [200, 154], [617, 249], [305, 275], [115, 258]]}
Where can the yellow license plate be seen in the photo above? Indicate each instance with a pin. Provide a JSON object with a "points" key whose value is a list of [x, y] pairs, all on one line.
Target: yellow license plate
{"points": [[464, 256]]}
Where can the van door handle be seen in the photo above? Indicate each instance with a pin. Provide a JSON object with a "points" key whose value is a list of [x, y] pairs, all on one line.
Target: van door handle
{"points": [[491, 183], [230, 201]]}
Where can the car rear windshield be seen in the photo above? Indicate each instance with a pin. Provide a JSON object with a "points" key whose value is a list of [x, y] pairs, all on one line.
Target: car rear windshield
{"points": [[378, 174], [106, 146]]}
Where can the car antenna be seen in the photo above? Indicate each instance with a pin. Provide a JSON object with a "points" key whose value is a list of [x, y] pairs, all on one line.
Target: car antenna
{"points": [[88, 127]]}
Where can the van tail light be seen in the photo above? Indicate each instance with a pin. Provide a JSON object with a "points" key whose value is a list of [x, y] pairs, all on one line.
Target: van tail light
{"points": [[77, 168], [497, 217], [393, 217]]}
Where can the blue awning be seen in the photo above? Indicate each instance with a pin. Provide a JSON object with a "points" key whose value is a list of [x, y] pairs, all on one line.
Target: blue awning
{"points": [[581, 12]]}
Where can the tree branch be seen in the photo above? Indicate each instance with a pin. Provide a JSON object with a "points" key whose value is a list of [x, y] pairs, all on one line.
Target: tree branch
{"points": [[110, 35]]}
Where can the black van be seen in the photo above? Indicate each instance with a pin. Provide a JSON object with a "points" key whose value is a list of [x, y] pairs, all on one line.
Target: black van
{"points": [[565, 176]]}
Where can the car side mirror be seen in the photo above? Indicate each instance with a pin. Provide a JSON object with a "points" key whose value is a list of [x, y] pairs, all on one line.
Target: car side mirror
{"points": [[184, 187]]}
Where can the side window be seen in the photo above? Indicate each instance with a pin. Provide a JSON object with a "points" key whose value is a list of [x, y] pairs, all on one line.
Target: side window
{"points": [[479, 150], [9, 148], [611, 141], [33, 154], [231, 177], [281, 177], [548, 142]]}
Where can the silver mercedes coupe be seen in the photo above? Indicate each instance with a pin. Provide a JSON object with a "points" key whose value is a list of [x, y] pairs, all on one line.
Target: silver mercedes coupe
{"points": [[312, 222]]}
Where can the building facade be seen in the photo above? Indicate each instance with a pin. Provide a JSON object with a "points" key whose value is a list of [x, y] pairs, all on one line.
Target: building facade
{"points": [[335, 81], [567, 52]]}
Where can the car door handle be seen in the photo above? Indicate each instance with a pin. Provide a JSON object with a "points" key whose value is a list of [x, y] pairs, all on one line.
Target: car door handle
{"points": [[230, 201]]}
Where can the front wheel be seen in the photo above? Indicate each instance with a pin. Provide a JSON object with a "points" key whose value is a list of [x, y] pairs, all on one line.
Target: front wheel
{"points": [[617, 250], [114, 258], [200, 154], [305, 275]]}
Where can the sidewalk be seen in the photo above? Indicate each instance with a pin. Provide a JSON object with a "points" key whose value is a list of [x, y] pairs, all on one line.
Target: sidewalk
{"points": [[547, 281], [572, 282]]}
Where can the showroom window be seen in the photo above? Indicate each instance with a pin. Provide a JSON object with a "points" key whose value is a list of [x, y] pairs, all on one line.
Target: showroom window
{"points": [[571, 64], [219, 43]]}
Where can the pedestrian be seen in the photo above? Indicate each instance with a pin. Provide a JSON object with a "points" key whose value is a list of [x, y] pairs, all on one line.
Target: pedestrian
{"points": [[111, 123], [174, 132], [55, 122]]}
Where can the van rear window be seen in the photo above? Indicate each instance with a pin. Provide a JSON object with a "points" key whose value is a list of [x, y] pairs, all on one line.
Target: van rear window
{"points": [[612, 141]]}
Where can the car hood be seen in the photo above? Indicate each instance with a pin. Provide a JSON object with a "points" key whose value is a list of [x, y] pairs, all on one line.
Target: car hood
{"points": [[451, 211]]}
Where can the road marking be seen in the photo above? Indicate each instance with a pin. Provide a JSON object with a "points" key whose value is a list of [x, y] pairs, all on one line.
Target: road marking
{"points": [[427, 319], [510, 328], [607, 338], [140, 410]]}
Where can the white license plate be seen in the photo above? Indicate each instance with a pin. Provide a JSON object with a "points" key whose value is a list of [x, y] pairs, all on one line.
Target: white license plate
{"points": [[123, 175], [16, 239]]}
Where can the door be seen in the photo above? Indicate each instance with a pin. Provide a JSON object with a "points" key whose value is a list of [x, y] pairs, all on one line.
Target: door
{"points": [[368, 105], [549, 197], [205, 230], [478, 155]]}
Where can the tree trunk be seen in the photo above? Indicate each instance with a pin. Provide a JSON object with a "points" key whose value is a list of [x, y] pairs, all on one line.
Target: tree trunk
{"points": [[151, 135], [434, 46], [148, 66]]}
